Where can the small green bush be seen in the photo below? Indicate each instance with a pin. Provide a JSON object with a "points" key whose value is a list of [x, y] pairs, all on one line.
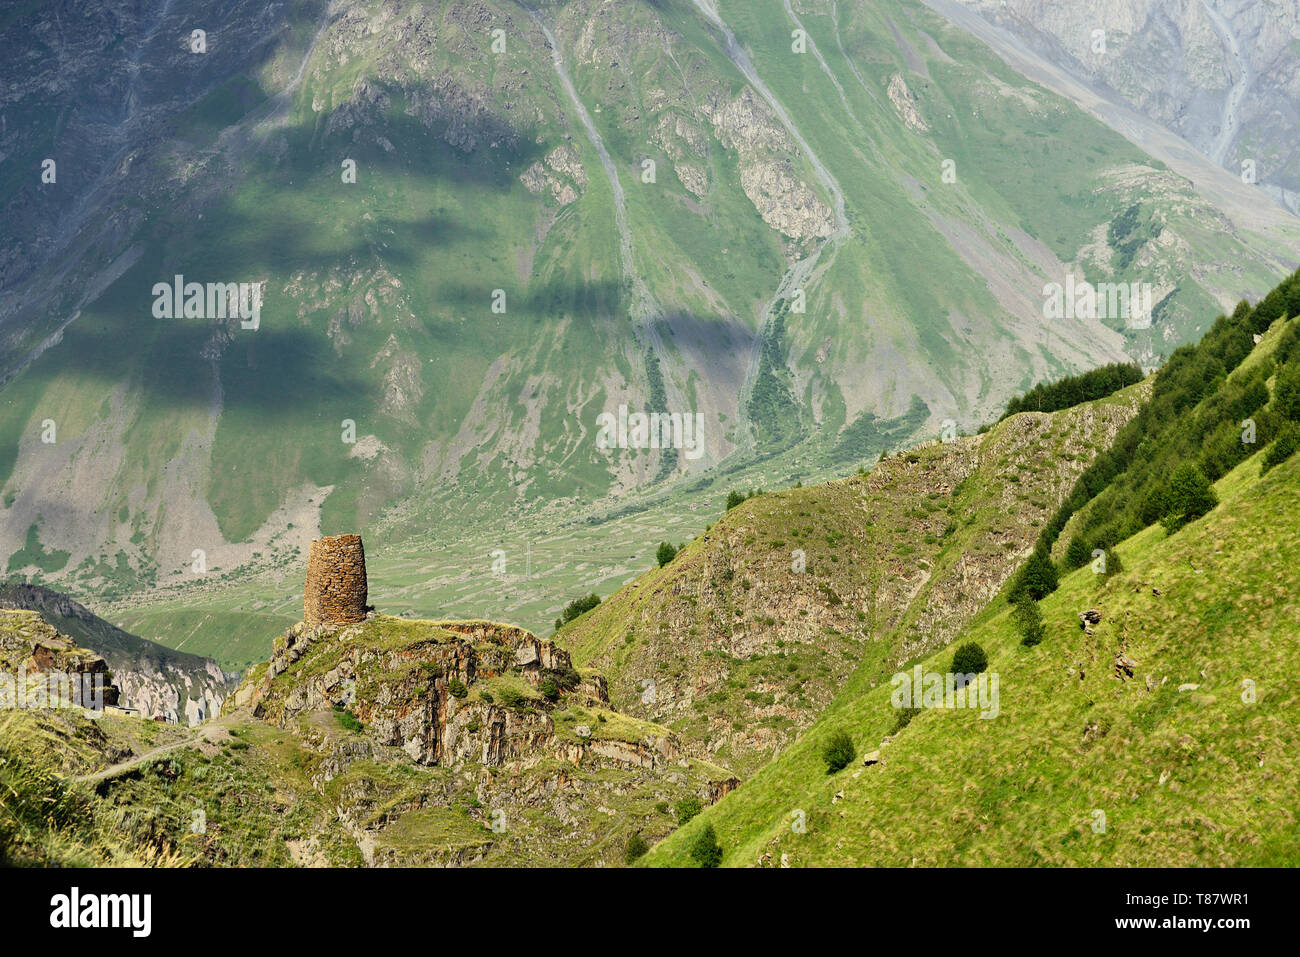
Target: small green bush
{"points": [[687, 808], [1028, 620], [573, 609], [1037, 577], [636, 847], [666, 553], [1288, 440], [457, 688], [347, 720], [969, 659], [1078, 553], [1188, 497], [838, 752], [905, 716], [512, 698]]}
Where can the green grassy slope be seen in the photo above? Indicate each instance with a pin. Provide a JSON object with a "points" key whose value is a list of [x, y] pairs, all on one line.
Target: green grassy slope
{"points": [[1183, 777], [1164, 734], [748, 633]]}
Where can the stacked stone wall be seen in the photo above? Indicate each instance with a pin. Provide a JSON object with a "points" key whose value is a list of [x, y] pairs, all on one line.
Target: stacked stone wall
{"points": [[335, 592]]}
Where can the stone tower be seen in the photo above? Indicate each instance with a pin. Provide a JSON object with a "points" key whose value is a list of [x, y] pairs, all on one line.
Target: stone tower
{"points": [[335, 593]]}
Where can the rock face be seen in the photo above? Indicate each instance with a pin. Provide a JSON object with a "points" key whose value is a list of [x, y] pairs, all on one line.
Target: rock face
{"points": [[1223, 74], [335, 593], [39, 667], [155, 680]]}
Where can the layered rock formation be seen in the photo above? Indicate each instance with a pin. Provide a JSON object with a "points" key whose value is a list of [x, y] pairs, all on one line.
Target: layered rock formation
{"points": [[41, 668]]}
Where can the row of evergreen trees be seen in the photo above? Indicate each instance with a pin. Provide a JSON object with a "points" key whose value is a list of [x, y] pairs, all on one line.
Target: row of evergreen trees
{"points": [[1196, 427], [1160, 465], [1073, 390]]}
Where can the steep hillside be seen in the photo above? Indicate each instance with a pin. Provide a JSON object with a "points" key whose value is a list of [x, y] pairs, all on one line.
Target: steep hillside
{"points": [[1151, 720], [152, 678], [741, 641], [1172, 724], [555, 212]]}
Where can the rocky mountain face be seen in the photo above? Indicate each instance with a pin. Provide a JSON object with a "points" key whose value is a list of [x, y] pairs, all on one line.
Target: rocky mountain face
{"points": [[42, 668], [442, 707], [156, 680], [1223, 74], [474, 228]]}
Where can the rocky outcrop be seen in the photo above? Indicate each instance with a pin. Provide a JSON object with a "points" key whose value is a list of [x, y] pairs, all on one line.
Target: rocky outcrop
{"points": [[767, 173], [561, 174], [905, 103], [153, 679], [40, 668]]}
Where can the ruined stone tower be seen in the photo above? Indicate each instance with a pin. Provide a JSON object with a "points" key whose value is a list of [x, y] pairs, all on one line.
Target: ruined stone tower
{"points": [[335, 593]]}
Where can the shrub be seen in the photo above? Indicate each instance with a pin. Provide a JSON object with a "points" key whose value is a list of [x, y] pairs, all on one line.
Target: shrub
{"points": [[512, 698], [1078, 553], [636, 847], [838, 752], [457, 687], [705, 849], [687, 808], [969, 659], [1037, 576], [905, 716], [1028, 620], [1286, 391], [566, 679], [735, 498], [548, 689], [575, 608], [666, 553], [347, 720], [1283, 448]]}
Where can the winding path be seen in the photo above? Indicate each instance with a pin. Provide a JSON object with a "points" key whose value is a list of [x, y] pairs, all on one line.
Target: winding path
{"points": [[211, 732]]}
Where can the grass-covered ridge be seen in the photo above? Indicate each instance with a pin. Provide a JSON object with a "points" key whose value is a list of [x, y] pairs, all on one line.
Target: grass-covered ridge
{"points": [[1162, 730], [749, 631]]}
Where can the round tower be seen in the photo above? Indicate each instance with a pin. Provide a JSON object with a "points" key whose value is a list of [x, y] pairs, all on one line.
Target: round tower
{"points": [[335, 593]]}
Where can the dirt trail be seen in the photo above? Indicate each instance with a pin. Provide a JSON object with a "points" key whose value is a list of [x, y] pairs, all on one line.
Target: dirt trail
{"points": [[212, 732]]}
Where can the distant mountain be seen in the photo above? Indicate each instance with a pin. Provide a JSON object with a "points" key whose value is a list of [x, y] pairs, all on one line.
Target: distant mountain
{"points": [[152, 678], [474, 229], [1222, 74]]}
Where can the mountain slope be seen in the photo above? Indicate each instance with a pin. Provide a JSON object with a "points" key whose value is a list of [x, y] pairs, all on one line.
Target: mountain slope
{"points": [[1222, 75], [1157, 728], [799, 226], [1184, 770], [749, 632]]}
